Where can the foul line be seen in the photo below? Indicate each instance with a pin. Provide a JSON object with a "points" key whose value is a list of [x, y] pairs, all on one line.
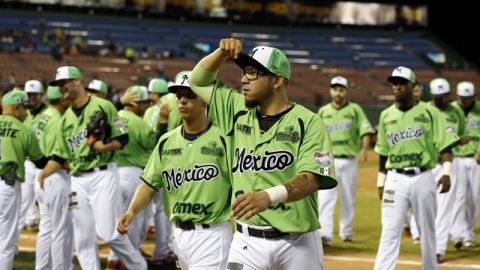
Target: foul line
{"points": [[405, 262]]}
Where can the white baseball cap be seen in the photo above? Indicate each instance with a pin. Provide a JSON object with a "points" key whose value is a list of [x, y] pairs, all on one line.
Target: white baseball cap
{"points": [[34, 86], [98, 85], [339, 80], [181, 81], [465, 89], [439, 86], [404, 73]]}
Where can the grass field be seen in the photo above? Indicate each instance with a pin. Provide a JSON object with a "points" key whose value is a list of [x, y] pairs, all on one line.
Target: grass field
{"points": [[358, 255]]}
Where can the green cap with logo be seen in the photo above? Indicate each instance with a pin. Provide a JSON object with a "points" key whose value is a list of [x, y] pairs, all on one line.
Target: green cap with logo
{"points": [[15, 97], [140, 91], [268, 58], [158, 86], [66, 73], [98, 85], [53, 92]]}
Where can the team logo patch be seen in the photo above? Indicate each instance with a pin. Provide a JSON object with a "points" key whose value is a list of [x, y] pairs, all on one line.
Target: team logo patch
{"points": [[323, 158], [275, 160], [199, 172], [212, 150], [289, 135]]}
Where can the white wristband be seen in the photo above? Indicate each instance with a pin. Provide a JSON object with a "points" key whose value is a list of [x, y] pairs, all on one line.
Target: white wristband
{"points": [[277, 194], [381, 178], [447, 167]]}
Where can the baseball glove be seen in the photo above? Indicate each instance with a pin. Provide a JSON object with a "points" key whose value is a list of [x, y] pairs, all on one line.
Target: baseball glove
{"points": [[96, 127]]}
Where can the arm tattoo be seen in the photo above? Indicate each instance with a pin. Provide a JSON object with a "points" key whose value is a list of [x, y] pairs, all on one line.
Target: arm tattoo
{"points": [[300, 182]]}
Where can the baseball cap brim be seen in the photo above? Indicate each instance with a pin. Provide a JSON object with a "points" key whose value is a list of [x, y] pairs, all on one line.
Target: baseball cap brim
{"points": [[175, 88], [57, 82], [244, 60], [393, 79]]}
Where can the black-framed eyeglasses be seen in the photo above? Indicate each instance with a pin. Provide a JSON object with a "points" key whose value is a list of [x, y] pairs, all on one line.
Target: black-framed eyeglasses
{"points": [[253, 74]]}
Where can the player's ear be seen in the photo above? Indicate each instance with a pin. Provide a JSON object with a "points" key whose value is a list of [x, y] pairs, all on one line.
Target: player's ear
{"points": [[278, 81]]}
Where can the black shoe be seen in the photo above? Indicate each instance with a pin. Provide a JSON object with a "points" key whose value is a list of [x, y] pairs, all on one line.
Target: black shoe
{"points": [[458, 245], [440, 258]]}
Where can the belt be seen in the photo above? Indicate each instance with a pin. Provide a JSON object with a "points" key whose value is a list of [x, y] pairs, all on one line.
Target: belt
{"points": [[410, 170], [270, 233], [466, 156], [190, 225], [95, 169], [343, 156]]}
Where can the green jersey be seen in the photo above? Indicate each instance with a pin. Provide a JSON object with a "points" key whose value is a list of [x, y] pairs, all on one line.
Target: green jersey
{"points": [[71, 136], [17, 142], [297, 142], [472, 129], [412, 138], [194, 176], [46, 126], [32, 120], [151, 114], [346, 127], [141, 141]]}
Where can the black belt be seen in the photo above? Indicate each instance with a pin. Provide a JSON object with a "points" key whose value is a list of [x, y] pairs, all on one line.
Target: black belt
{"points": [[101, 168], [409, 171], [472, 155], [189, 225], [343, 156], [270, 233]]}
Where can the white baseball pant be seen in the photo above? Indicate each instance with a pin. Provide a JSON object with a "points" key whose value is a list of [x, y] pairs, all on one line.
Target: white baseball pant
{"points": [[162, 228], [400, 192], [445, 201], [202, 249], [10, 199], [28, 211], [129, 181], [55, 237], [467, 198], [291, 252], [98, 205], [346, 170]]}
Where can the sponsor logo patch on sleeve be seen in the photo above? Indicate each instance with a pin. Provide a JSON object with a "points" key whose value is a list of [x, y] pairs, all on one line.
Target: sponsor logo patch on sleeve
{"points": [[323, 159]]}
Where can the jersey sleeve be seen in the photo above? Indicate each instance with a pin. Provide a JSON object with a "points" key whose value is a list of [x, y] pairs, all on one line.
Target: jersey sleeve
{"points": [[363, 124], [152, 172], [225, 104], [381, 147], [60, 147], [315, 153], [33, 150], [114, 121], [441, 138]]}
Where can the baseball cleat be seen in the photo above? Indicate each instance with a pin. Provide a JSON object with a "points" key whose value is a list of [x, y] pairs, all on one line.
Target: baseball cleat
{"points": [[440, 258], [347, 239], [470, 244], [326, 241], [407, 232], [112, 265], [458, 245], [416, 241]]}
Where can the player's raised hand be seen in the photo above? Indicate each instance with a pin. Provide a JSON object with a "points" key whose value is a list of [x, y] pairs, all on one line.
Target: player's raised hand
{"points": [[123, 222], [445, 182], [231, 47], [249, 204], [164, 113], [129, 98]]}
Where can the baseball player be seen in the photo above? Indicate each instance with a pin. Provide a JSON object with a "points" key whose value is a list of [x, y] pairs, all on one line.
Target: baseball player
{"points": [[410, 135], [55, 237], [17, 142], [132, 159], [190, 166], [28, 213], [455, 120], [162, 100], [468, 187], [350, 131], [98, 88], [95, 189], [280, 154]]}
